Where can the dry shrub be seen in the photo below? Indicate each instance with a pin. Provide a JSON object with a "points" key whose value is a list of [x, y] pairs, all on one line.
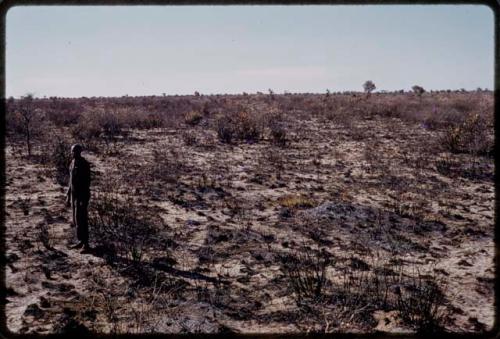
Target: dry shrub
{"points": [[111, 126], [446, 165], [278, 129], [409, 205], [43, 235], [249, 126], [389, 285], [226, 129], [152, 120], [63, 113], [136, 118], [296, 201], [470, 136], [189, 138], [276, 159], [451, 139], [88, 127], [359, 289], [120, 225], [435, 120], [54, 154], [60, 159], [343, 116], [305, 270], [240, 126], [193, 118], [25, 204], [420, 303], [279, 135], [98, 124]]}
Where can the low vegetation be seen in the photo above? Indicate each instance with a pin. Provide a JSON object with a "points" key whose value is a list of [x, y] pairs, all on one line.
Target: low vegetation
{"points": [[311, 213]]}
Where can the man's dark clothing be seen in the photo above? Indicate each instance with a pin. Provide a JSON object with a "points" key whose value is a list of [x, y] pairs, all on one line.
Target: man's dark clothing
{"points": [[79, 189]]}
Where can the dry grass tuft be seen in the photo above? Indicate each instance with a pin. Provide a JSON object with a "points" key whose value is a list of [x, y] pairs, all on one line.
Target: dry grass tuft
{"points": [[296, 202]]}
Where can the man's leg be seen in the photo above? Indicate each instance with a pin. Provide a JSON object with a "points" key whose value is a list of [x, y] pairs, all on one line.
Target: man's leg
{"points": [[82, 222], [74, 211]]}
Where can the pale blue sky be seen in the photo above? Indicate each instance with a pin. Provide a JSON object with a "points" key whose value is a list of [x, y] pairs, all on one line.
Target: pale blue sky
{"points": [[113, 51]]}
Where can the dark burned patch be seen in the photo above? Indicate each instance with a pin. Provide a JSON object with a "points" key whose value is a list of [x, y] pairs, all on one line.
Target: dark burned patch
{"points": [[364, 227], [359, 264], [217, 235], [69, 324], [285, 316]]}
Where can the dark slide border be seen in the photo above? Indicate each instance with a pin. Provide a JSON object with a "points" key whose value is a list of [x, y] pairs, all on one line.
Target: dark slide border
{"points": [[7, 4]]}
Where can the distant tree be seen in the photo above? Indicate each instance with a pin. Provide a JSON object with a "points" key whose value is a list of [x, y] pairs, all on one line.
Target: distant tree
{"points": [[327, 92], [271, 94], [28, 118], [196, 94], [369, 87], [418, 90]]}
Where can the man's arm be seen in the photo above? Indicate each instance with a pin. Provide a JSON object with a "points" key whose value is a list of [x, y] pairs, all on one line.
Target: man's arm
{"points": [[88, 175], [68, 193]]}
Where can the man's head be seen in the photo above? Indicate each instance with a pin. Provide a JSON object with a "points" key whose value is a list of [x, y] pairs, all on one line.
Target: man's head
{"points": [[76, 151]]}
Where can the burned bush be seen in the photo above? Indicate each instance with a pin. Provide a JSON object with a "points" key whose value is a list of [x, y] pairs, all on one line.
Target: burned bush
{"points": [[118, 224], [240, 126], [305, 270], [226, 129]]}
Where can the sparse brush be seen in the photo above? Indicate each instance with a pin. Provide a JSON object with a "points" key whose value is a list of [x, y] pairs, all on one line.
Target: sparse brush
{"points": [[193, 118], [152, 120], [278, 130], [118, 223], [98, 124], [305, 270], [341, 115], [240, 126], [61, 158], [446, 165], [470, 136], [111, 307], [273, 157], [43, 235], [451, 139], [249, 127], [189, 138], [111, 126], [25, 204], [226, 129], [167, 166], [421, 303]]}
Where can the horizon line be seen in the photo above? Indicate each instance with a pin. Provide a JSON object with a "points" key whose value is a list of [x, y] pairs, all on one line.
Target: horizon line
{"points": [[284, 93]]}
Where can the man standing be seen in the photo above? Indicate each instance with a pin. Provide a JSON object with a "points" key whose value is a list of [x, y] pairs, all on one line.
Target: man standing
{"points": [[79, 196]]}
